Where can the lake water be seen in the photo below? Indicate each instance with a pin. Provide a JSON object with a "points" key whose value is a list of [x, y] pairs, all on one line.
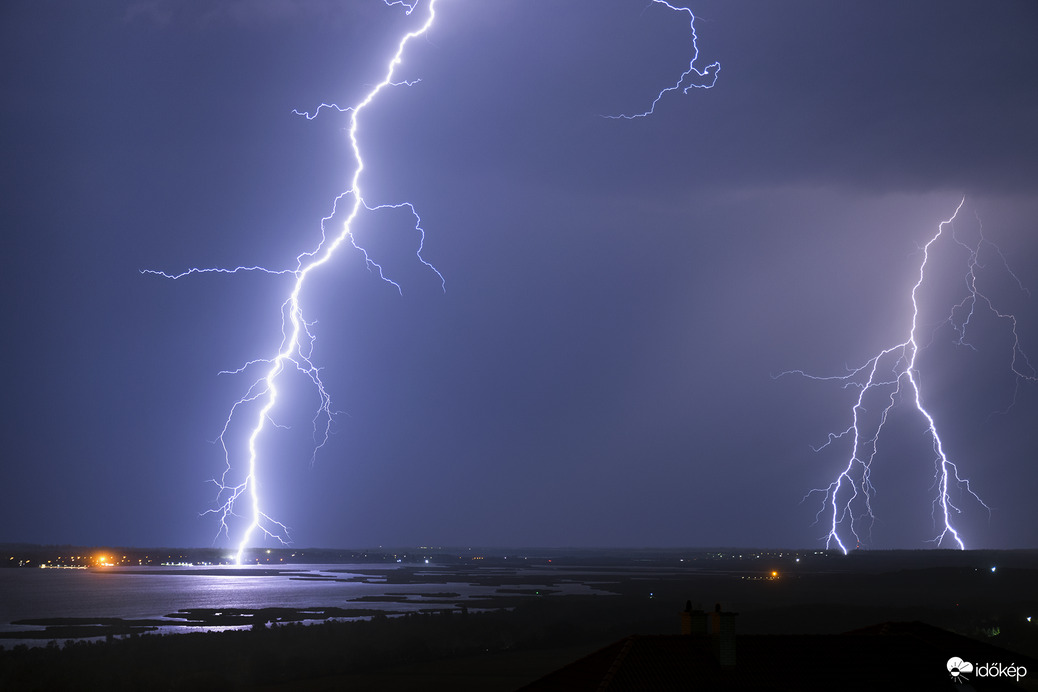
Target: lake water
{"points": [[133, 593]]}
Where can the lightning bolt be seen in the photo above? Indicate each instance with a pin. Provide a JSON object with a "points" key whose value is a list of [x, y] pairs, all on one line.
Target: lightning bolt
{"points": [[691, 78], [892, 376], [297, 336], [240, 487]]}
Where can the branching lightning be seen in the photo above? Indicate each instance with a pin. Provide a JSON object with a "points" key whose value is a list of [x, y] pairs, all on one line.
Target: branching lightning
{"points": [[239, 485], [241, 488], [692, 78], [891, 376]]}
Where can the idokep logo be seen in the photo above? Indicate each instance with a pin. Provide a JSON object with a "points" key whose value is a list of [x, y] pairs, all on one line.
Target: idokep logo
{"points": [[958, 668]]}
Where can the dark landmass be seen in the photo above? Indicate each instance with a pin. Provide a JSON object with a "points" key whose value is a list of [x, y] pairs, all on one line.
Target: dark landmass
{"points": [[530, 627], [279, 560]]}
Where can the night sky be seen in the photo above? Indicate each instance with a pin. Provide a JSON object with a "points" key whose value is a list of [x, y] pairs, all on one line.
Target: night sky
{"points": [[619, 294]]}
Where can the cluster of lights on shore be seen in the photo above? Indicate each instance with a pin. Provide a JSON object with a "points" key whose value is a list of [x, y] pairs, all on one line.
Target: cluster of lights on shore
{"points": [[108, 559]]}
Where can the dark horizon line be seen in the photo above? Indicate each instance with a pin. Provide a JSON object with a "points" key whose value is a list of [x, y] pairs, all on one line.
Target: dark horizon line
{"points": [[500, 548]]}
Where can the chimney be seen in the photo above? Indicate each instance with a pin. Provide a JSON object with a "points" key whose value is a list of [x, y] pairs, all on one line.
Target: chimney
{"points": [[693, 620], [718, 627]]}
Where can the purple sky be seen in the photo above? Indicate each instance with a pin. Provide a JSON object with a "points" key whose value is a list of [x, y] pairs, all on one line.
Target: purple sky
{"points": [[619, 295]]}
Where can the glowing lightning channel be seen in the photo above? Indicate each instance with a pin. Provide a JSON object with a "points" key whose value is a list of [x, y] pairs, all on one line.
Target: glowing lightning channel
{"points": [[892, 375], [692, 78], [297, 338]]}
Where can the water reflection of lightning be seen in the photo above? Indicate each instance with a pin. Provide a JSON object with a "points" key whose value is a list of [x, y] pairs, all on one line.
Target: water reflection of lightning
{"points": [[297, 338], [692, 78], [892, 375]]}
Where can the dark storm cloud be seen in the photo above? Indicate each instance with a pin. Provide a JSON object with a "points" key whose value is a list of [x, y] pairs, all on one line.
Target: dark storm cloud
{"points": [[890, 96], [887, 96], [247, 12], [619, 294]]}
